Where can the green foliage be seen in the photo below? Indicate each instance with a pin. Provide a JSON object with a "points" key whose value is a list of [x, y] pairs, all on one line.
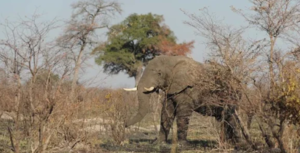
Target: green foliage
{"points": [[44, 75], [135, 41]]}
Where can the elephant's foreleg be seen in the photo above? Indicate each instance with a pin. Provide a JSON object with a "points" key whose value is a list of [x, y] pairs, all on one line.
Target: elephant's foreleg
{"points": [[167, 118], [183, 112]]}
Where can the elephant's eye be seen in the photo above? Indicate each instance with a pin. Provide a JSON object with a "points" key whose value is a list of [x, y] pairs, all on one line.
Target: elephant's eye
{"points": [[159, 73]]}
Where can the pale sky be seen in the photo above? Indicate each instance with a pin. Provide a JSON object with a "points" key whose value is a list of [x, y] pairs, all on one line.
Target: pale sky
{"points": [[170, 9]]}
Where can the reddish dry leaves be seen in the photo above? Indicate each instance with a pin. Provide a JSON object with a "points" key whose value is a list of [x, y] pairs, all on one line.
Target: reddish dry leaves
{"points": [[171, 48]]}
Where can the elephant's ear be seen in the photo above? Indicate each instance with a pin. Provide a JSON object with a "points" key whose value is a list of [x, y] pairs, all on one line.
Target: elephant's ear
{"points": [[184, 74]]}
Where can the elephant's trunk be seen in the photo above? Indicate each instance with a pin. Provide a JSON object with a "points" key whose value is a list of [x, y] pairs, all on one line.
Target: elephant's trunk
{"points": [[144, 105], [143, 109]]}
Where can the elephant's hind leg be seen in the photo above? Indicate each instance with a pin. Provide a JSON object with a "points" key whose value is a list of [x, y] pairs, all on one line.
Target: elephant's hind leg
{"points": [[231, 127], [167, 118]]}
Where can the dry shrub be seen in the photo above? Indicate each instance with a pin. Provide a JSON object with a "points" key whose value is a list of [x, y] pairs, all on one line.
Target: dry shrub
{"points": [[41, 117], [106, 110], [119, 107]]}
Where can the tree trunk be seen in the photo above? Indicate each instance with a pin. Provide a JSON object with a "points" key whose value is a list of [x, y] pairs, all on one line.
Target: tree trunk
{"points": [[271, 61], [279, 134], [15, 140], [174, 137], [76, 72], [249, 120], [244, 130], [138, 75]]}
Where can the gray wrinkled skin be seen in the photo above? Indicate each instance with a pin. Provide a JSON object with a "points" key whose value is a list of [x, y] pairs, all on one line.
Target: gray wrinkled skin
{"points": [[185, 82]]}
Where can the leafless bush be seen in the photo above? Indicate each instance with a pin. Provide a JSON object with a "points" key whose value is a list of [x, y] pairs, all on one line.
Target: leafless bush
{"points": [[80, 34], [268, 84], [118, 108], [232, 59], [31, 91], [36, 87], [110, 108]]}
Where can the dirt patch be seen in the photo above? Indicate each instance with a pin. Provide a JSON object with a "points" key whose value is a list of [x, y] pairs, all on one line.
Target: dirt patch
{"points": [[145, 145]]}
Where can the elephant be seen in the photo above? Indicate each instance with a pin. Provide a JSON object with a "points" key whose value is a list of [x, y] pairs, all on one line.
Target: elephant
{"points": [[185, 83]]}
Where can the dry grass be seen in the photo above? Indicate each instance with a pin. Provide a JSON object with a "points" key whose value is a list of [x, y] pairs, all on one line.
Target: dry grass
{"points": [[95, 125]]}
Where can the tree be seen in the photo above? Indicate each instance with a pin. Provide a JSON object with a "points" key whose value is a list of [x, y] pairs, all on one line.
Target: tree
{"points": [[275, 17], [270, 87], [278, 19], [233, 61], [80, 33], [26, 49], [45, 79], [135, 41]]}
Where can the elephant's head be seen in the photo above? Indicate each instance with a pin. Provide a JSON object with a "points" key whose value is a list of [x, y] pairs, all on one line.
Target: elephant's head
{"points": [[172, 74]]}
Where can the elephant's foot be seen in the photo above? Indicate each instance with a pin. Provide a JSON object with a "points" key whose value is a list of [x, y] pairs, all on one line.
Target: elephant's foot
{"points": [[183, 144], [158, 141], [154, 141], [244, 145]]}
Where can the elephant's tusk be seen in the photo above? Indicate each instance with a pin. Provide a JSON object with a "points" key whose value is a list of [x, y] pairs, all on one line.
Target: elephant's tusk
{"points": [[130, 89], [149, 89]]}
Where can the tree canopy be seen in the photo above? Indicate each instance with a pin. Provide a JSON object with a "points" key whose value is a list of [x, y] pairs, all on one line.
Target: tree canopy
{"points": [[135, 41]]}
